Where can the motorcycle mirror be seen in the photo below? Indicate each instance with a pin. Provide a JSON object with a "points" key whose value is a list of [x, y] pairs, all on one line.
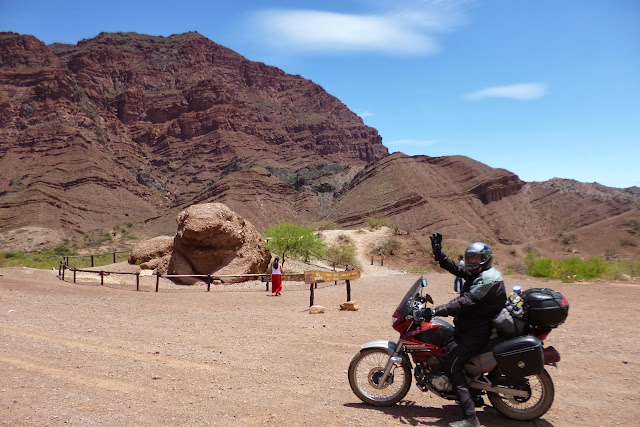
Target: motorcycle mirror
{"points": [[424, 282]]}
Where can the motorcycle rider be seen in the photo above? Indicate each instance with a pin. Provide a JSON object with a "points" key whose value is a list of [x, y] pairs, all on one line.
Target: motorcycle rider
{"points": [[482, 297]]}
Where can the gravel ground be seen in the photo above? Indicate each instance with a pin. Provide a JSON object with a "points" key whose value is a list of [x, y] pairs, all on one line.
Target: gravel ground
{"points": [[85, 354]]}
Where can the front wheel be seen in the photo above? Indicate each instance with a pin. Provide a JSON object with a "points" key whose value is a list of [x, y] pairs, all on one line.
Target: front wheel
{"points": [[541, 393], [367, 367]]}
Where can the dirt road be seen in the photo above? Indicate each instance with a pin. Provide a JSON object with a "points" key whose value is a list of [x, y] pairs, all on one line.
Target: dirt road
{"points": [[84, 354]]}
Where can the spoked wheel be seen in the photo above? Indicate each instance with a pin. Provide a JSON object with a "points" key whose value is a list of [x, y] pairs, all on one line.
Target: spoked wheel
{"points": [[366, 369], [541, 393]]}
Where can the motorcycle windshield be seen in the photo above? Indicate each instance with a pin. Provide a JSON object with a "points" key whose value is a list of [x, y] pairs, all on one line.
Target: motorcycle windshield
{"points": [[405, 305]]}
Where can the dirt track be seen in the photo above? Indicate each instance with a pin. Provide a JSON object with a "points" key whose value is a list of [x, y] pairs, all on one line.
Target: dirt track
{"points": [[82, 354]]}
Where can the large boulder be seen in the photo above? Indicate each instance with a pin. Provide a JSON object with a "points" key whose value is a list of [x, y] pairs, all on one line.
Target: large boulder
{"points": [[152, 249], [211, 239]]}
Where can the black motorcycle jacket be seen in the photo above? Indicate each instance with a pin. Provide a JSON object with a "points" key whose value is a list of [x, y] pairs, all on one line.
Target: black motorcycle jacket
{"points": [[482, 297]]}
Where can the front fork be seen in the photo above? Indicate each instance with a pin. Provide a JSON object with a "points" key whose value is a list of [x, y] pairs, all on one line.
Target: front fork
{"points": [[394, 358]]}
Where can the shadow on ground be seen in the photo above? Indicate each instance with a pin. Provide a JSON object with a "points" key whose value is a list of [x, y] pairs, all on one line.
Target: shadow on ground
{"points": [[411, 413]]}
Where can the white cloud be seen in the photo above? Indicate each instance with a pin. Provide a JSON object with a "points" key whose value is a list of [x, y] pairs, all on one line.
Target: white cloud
{"points": [[520, 92], [364, 114], [405, 30]]}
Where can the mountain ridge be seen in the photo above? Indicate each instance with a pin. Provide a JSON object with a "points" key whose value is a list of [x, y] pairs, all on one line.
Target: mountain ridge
{"points": [[128, 128]]}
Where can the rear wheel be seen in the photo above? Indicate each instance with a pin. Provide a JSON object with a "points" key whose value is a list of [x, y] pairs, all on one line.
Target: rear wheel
{"points": [[541, 393], [365, 370]]}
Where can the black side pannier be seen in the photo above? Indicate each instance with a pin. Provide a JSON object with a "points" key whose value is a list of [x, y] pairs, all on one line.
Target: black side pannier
{"points": [[520, 357], [545, 308]]}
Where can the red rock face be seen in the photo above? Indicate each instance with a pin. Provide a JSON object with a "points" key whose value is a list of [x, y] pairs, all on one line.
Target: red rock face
{"points": [[126, 127], [468, 200], [131, 128]]}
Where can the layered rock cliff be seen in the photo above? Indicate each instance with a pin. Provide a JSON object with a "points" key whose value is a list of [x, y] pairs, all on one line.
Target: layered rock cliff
{"points": [[125, 127], [468, 200]]}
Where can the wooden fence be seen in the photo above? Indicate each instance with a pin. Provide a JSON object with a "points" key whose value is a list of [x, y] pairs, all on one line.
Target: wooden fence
{"points": [[93, 256], [310, 277]]}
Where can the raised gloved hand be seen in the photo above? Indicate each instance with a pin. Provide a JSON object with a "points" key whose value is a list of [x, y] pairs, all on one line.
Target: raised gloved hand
{"points": [[436, 246], [440, 311]]}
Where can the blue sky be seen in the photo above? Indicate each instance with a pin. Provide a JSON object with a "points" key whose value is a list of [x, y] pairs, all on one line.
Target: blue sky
{"points": [[543, 88]]}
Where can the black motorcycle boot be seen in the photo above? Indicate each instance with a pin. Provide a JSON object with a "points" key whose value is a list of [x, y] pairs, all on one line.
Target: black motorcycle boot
{"points": [[469, 421], [478, 400]]}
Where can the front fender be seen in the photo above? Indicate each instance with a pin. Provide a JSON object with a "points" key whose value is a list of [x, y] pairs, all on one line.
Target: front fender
{"points": [[389, 347]]}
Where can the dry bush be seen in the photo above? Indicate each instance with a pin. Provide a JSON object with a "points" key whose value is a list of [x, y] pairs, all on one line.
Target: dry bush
{"points": [[385, 247]]}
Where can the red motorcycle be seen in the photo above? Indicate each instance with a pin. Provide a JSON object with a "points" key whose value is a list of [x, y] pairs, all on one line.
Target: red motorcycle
{"points": [[510, 370]]}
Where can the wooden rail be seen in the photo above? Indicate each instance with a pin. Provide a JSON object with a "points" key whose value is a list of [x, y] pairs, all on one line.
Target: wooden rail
{"points": [[310, 277], [66, 258]]}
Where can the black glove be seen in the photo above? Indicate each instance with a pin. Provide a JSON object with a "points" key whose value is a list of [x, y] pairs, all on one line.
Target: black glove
{"points": [[441, 311], [436, 246]]}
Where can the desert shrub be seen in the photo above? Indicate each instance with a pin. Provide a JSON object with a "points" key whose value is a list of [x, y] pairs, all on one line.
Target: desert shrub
{"points": [[610, 254], [377, 222], [50, 258], [628, 243], [516, 268], [582, 269], [567, 239], [327, 225], [418, 270], [397, 231], [342, 253], [385, 247], [452, 252], [633, 225], [562, 269], [343, 238], [532, 250], [616, 270], [538, 267]]}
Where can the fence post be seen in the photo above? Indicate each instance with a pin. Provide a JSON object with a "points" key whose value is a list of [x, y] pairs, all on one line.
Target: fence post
{"points": [[137, 281], [208, 282], [91, 260], [74, 276], [63, 268], [102, 278], [157, 280], [348, 290], [114, 257], [310, 295]]}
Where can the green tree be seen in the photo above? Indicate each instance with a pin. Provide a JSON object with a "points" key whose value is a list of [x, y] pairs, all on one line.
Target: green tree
{"points": [[293, 240]]}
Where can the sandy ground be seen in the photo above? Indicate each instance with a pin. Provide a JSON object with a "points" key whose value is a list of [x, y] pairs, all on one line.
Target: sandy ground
{"points": [[85, 354]]}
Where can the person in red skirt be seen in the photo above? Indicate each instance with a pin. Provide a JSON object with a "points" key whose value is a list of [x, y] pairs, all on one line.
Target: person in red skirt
{"points": [[276, 277]]}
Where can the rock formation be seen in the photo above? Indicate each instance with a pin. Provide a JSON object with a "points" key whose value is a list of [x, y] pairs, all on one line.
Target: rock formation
{"points": [[468, 200], [126, 128], [132, 129], [211, 239]]}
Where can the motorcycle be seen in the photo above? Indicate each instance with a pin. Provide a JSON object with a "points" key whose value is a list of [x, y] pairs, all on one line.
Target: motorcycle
{"points": [[510, 370]]}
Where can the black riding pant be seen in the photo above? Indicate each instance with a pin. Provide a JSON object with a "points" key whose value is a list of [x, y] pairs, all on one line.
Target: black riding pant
{"points": [[459, 354]]}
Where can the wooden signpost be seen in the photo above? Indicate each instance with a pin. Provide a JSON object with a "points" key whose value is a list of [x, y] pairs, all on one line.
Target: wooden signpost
{"points": [[330, 276], [314, 277]]}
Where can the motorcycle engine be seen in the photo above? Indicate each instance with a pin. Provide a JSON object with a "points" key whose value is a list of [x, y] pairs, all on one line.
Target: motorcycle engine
{"points": [[430, 377], [441, 383]]}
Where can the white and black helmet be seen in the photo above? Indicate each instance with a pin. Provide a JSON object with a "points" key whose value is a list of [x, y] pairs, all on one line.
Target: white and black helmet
{"points": [[478, 257]]}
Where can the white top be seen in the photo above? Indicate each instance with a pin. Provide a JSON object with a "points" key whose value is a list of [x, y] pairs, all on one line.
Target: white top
{"points": [[276, 270]]}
